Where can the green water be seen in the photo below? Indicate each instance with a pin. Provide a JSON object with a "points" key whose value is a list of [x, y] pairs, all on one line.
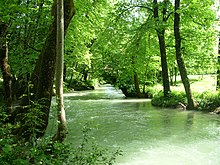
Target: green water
{"points": [[146, 134]]}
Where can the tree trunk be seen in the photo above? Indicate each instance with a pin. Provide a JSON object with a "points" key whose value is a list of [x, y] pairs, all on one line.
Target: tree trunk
{"points": [[180, 62], [136, 86], [175, 74], [161, 36], [218, 67], [43, 74], [62, 128], [5, 68], [165, 76], [7, 77]]}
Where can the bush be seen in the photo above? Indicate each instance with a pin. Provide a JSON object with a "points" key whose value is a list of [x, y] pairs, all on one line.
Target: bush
{"points": [[171, 101], [150, 92], [208, 101], [88, 152], [47, 152], [42, 152]]}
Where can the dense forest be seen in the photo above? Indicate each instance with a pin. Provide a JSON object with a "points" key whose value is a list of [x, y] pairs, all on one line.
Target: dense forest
{"points": [[49, 47]]}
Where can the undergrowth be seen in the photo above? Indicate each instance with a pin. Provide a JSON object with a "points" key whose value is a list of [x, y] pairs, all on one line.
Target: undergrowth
{"points": [[206, 101], [171, 101], [14, 150]]}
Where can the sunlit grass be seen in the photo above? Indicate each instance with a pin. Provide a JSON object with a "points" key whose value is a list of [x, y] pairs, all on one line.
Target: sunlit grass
{"points": [[198, 84]]}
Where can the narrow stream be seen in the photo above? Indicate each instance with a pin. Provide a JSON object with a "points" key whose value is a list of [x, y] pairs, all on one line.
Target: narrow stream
{"points": [[146, 134]]}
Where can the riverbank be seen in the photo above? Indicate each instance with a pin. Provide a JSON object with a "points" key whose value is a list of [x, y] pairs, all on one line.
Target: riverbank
{"points": [[203, 88]]}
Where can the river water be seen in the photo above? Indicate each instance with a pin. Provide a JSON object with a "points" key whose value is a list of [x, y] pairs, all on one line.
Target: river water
{"points": [[145, 134]]}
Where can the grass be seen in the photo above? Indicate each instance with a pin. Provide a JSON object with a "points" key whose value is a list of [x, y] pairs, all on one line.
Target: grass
{"points": [[202, 87], [198, 84]]}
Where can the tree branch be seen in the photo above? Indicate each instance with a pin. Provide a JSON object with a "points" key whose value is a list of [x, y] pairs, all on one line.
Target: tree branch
{"points": [[196, 21], [135, 6]]}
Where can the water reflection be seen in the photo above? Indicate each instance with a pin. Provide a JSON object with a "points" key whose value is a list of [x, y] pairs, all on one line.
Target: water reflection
{"points": [[189, 120]]}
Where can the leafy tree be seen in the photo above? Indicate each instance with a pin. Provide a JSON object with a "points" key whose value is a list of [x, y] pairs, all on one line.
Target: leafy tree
{"points": [[180, 62], [43, 74], [160, 28], [6, 16], [126, 65], [82, 34]]}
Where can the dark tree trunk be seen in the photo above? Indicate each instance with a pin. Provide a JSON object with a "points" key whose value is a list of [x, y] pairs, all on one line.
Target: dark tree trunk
{"points": [[161, 36], [165, 76], [171, 76], [180, 62], [64, 72], [136, 86], [7, 77], [43, 74], [175, 74], [218, 69], [5, 68]]}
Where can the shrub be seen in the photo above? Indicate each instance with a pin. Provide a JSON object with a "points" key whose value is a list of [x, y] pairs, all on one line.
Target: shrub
{"points": [[208, 101], [88, 152], [150, 92], [172, 100], [47, 152]]}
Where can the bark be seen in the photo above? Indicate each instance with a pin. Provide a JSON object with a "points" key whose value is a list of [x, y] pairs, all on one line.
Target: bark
{"points": [[7, 77], [161, 37], [180, 61], [135, 76], [175, 76], [136, 86], [43, 75], [218, 69], [62, 128], [5, 68]]}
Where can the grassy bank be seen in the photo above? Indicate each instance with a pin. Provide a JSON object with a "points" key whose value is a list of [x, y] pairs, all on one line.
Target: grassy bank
{"points": [[203, 89]]}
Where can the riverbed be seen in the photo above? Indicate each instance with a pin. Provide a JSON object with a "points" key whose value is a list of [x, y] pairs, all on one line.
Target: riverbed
{"points": [[147, 135]]}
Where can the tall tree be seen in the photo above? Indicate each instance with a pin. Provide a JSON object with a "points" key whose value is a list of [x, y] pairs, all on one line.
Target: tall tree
{"points": [[62, 128], [5, 68], [180, 62], [43, 75], [6, 16], [160, 29]]}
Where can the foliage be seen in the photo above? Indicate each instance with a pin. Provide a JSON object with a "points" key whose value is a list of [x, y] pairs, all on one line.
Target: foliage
{"points": [[129, 43], [42, 152], [33, 119], [208, 101], [84, 29], [151, 92], [45, 151], [197, 36], [89, 152], [172, 100]]}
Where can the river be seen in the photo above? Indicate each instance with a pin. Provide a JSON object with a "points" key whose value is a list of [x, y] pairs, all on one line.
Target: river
{"points": [[147, 135]]}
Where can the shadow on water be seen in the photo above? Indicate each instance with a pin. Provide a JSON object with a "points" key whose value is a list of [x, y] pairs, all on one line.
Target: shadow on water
{"points": [[146, 134]]}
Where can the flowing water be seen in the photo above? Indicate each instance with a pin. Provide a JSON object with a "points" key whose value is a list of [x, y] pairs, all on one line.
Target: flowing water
{"points": [[145, 134]]}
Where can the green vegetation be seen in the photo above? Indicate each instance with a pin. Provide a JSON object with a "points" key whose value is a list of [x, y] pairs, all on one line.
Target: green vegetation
{"points": [[132, 45], [205, 95], [172, 100], [48, 152]]}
